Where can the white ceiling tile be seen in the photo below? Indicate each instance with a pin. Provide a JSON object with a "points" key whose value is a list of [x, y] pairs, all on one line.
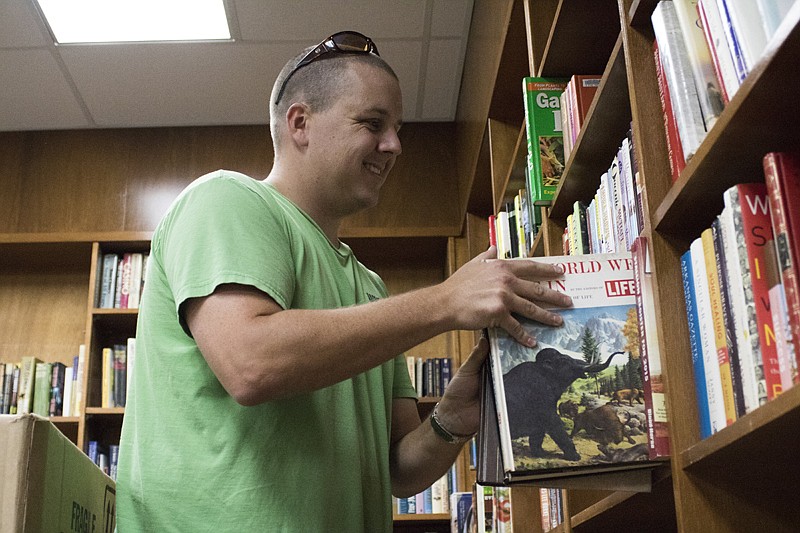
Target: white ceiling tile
{"points": [[35, 94], [279, 20], [181, 84], [404, 58], [451, 18], [442, 79], [19, 27]]}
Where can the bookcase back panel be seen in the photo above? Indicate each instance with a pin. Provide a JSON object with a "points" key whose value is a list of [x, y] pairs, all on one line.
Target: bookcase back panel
{"points": [[42, 314]]}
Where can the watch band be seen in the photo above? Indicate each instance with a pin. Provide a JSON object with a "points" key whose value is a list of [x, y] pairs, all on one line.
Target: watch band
{"points": [[444, 433]]}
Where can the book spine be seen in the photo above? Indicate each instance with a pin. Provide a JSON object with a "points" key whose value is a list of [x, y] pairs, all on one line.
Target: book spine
{"points": [[107, 378], [716, 405], [80, 377], [746, 24], [727, 315], [757, 232], [674, 149], [718, 324], [41, 389], [734, 43], [696, 346], [718, 46], [782, 176]]}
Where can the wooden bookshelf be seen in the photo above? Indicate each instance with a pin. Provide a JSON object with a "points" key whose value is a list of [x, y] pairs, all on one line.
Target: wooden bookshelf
{"points": [[739, 479]]}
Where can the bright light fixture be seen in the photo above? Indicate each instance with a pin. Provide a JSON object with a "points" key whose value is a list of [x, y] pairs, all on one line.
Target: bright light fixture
{"points": [[104, 21]]}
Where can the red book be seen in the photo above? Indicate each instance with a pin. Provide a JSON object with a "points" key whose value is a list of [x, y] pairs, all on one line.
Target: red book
{"points": [[674, 147], [492, 230], [757, 232], [782, 175], [582, 90]]}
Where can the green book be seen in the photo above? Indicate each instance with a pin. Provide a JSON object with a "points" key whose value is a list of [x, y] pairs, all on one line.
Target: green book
{"points": [[545, 136], [41, 389]]}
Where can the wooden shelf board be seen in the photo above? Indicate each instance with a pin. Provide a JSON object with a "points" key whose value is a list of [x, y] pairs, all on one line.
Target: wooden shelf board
{"points": [[434, 517], [581, 39]]}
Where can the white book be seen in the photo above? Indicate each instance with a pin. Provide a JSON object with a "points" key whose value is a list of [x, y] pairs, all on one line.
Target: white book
{"points": [[66, 409], [739, 310], [129, 362], [708, 90], [749, 322], [679, 77], [773, 12], [746, 21], [718, 44], [135, 286], [716, 405]]}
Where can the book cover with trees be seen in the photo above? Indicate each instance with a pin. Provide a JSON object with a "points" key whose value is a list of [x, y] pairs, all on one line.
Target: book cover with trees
{"points": [[574, 402]]}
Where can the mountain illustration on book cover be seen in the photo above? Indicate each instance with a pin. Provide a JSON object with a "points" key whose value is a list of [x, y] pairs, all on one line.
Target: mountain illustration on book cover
{"points": [[574, 402]]}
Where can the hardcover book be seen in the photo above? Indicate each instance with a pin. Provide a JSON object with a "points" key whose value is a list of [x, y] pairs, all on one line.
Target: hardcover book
{"points": [[545, 136], [573, 404], [782, 175]]}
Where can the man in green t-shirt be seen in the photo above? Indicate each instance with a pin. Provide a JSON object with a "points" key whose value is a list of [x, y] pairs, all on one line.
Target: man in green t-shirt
{"points": [[270, 392]]}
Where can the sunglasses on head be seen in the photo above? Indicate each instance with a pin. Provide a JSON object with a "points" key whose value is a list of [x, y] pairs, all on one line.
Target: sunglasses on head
{"points": [[343, 42]]}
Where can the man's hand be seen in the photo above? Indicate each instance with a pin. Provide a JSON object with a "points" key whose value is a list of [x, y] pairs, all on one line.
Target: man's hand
{"points": [[486, 293]]}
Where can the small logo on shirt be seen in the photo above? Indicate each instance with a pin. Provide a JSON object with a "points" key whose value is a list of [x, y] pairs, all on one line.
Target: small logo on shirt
{"points": [[372, 297]]}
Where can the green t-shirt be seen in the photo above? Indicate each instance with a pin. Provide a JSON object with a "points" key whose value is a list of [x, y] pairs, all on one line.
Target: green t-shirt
{"points": [[191, 458]]}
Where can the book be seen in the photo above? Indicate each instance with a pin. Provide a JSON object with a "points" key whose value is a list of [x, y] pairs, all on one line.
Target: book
{"points": [[107, 378], [43, 373], [773, 12], [742, 312], [584, 362], [460, 511], [708, 90], [720, 342], [674, 149], [782, 177], [57, 381], [120, 370], [69, 386], [544, 136], [79, 362], [109, 279], [733, 40], [756, 232], [657, 419], [674, 58], [746, 23], [728, 326], [695, 343], [27, 379], [714, 33]]}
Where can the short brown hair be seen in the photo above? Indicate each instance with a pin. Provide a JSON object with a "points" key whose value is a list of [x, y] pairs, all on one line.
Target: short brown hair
{"points": [[317, 84]]}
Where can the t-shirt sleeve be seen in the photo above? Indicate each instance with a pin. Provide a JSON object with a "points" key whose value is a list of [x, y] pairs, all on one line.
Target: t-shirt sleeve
{"points": [[222, 231], [403, 388]]}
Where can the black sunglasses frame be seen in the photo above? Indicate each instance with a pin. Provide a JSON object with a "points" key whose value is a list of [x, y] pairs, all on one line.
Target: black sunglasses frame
{"points": [[330, 45]]}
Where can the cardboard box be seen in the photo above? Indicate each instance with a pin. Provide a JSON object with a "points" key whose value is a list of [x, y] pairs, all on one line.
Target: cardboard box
{"points": [[47, 484]]}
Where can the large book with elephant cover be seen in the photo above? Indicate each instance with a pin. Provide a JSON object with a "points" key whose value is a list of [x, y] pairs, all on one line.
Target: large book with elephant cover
{"points": [[573, 404]]}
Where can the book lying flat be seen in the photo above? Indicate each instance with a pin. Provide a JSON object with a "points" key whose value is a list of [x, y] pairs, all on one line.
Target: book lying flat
{"points": [[573, 405]]}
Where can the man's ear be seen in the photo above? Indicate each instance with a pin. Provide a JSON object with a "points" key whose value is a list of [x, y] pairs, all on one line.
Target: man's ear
{"points": [[297, 123]]}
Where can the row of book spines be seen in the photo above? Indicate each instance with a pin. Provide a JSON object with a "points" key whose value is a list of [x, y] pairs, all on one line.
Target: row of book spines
{"points": [[513, 229], [433, 500], [121, 280], [117, 361], [43, 388], [552, 507], [742, 333], [493, 509], [430, 376], [704, 50], [614, 217], [106, 458]]}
